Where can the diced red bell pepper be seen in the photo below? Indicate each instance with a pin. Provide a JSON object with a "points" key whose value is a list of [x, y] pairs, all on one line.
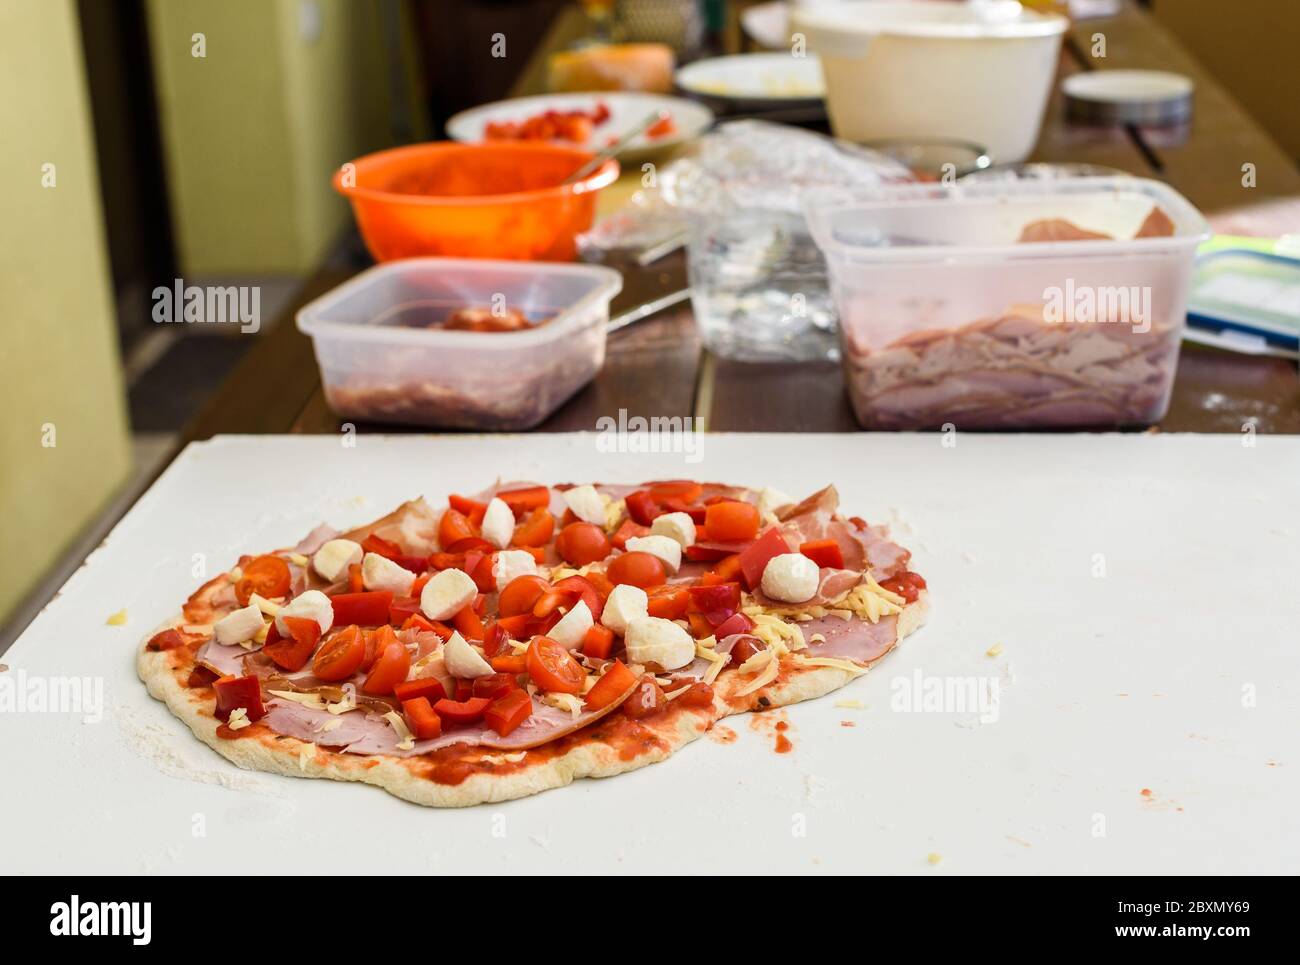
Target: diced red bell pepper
{"points": [[736, 623], [513, 663], [402, 609], [293, 652], [516, 627], [824, 552], [683, 490], [598, 642], [716, 602], [461, 711], [626, 530], [356, 583], [415, 564], [731, 520], [523, 501], [754, 559], [428, 687], [494, 685], [469, 624], [727, 570], [366, 609], [418, 586], [422, 718], [613, 684], [509, 711], [469, 544], [702, 554], [669, 602], [383, 547], [446, 561], [745, 648], [700, 627], [674, 505], [233, 692], [642, 507], [464, 690]]}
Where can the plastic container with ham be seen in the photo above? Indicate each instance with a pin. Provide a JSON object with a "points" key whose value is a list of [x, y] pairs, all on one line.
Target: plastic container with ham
{"points": [[1009, 305]]}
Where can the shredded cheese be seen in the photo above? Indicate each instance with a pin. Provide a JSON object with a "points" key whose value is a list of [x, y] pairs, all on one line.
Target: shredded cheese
{"points": [[851, 704], [198, 629], [763, 679], [307, 700], [406, 740], [848, 666], [329, 725], [568, 702], [265, 605], [297, 559], [677, 693], [615, 510], [306, 754], [258, 637], [117, 619], [238, 719], [514, 758], [994, 650], [235, 575]]}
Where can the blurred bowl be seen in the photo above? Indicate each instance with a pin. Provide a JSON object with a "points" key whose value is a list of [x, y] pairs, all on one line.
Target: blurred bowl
{"points": [[499, 200], [978, 72]]}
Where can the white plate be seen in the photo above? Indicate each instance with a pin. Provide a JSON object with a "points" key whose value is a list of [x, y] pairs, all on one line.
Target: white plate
{"points": [[626, 110], [1142, 588], [774, 78]]}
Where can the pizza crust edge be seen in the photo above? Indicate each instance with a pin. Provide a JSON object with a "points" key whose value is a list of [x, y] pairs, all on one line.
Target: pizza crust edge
{"points": [[284, 756]]}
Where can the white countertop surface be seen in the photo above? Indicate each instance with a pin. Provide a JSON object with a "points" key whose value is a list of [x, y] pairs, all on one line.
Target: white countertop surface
{"points": [[1143, 589]]}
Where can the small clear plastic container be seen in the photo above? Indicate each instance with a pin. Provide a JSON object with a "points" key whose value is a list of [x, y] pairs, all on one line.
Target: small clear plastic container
{"points": [[384, 358], [947, 317]]}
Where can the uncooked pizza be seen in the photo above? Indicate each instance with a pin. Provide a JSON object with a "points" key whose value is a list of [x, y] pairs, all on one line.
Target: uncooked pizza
{"points": [[518, 639]]}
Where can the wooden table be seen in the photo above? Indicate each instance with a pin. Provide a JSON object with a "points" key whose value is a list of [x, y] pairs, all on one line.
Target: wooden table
{"points": [[659, 368]]}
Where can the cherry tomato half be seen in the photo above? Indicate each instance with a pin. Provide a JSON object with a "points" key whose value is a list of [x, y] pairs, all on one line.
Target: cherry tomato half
{"points": [[581, 543], [390, 668], [341, 655], [267, 576], [553, 668], [520, 594], [638, 569]]}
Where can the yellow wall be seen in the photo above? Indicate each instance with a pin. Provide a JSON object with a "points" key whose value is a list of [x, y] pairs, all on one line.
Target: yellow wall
{"points": [[253, 131], [60, 360], [1249, 47]]}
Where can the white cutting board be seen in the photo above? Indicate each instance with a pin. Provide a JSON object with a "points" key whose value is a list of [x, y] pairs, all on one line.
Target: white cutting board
{"points": [[1175, 672]]}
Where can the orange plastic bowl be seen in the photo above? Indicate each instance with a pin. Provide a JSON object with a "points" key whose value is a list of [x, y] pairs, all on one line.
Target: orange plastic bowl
{"points": [[500, 200]]}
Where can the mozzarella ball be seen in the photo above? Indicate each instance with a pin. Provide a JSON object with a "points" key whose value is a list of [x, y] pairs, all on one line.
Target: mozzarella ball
{"points": [[678, 527], [380, 573], [243, 624], [652, 640], [498, 524], [333, 558], [446, 594], [587, 504], [625, 604], [573, 626], [664, 547], [790, 578], [509, 564], [463, 661], [312, 605]]}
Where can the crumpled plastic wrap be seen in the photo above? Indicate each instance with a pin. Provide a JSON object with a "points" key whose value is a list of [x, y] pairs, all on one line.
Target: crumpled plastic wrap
{"points": [[741, 166]]}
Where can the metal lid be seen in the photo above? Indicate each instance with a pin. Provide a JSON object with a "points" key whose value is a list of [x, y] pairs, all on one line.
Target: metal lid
{"points": [[1128, 97]]}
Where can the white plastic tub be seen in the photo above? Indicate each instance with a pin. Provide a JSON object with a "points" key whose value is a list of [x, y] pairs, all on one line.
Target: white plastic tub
{"points": [[381, 361], [978, 72], [946, 318]]}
